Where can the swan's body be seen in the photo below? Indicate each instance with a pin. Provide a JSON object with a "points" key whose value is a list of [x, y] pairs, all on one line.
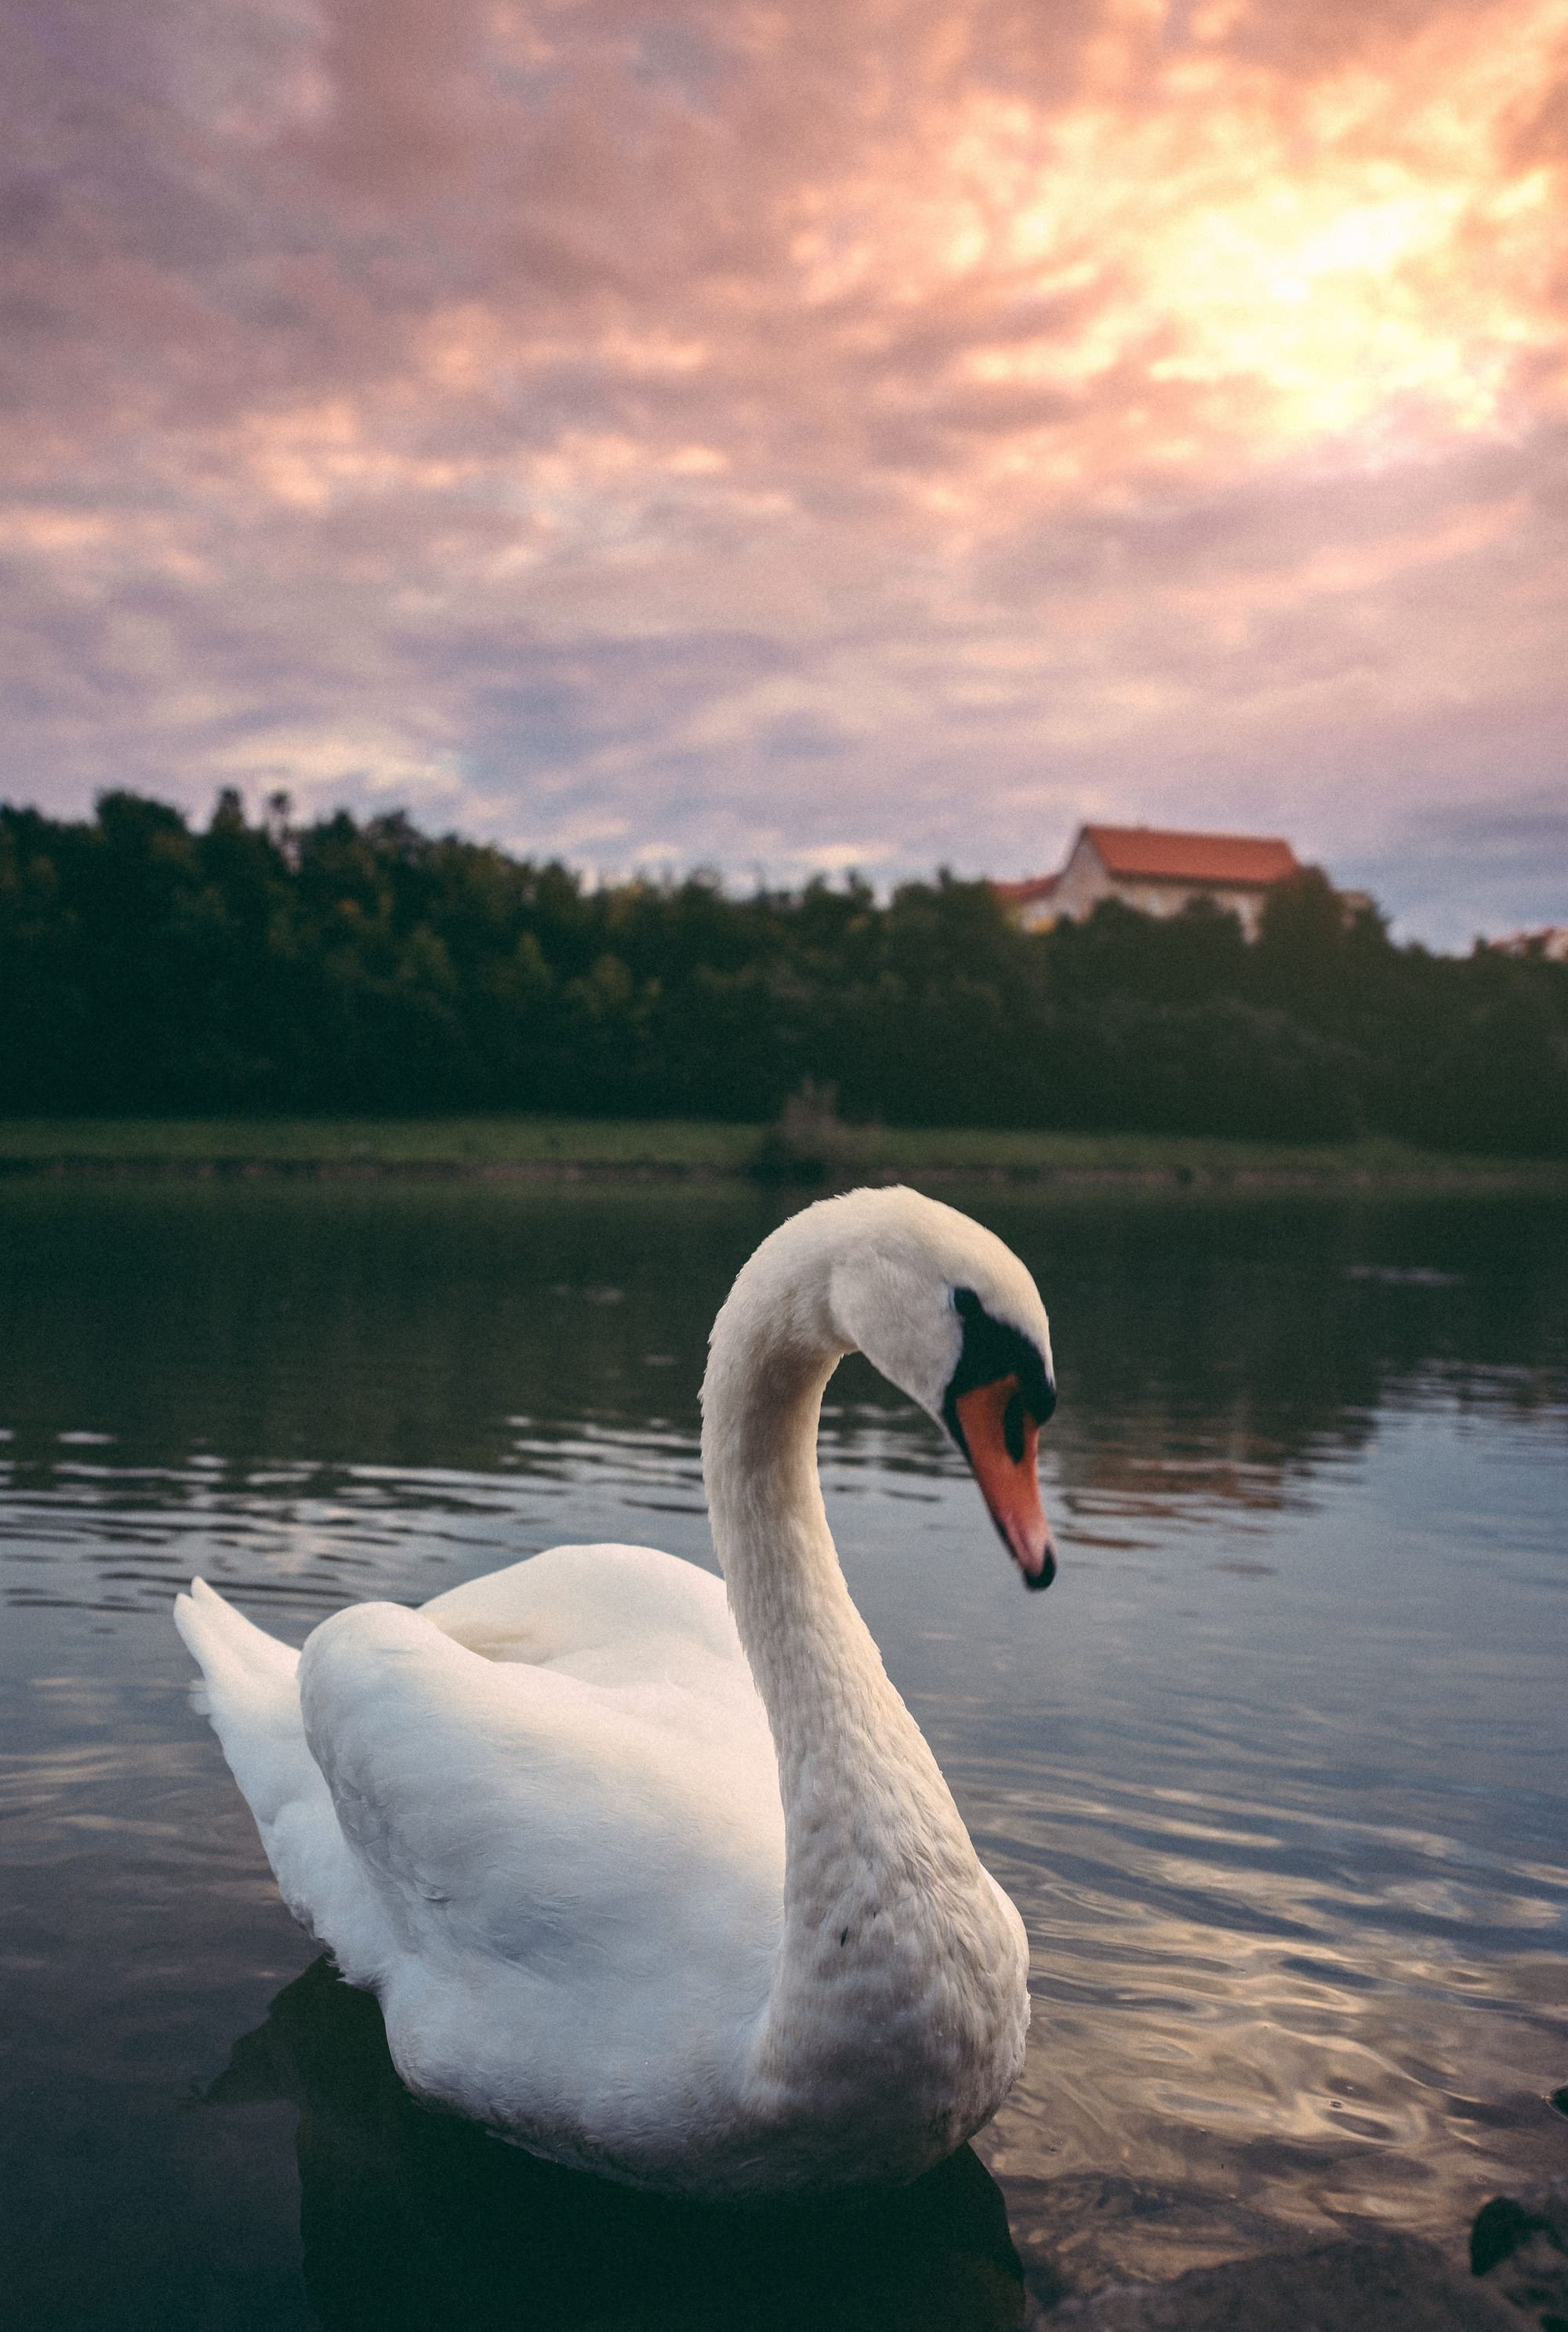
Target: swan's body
{"points": [[653, 1880]]}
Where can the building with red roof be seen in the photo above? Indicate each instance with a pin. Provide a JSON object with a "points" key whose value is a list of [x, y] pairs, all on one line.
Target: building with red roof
{"points": [[1550, 941], [1156, 872]]}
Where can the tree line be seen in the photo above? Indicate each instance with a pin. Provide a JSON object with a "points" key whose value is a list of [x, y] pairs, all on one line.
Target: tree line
{"points": [[362, 966]]}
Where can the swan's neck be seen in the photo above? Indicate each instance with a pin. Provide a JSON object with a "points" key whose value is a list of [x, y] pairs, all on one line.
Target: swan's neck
{"points": [[884, 1896], [830, 1702]]}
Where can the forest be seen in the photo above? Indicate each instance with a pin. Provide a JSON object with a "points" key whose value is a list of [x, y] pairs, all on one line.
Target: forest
{"points": [[147, 967]]}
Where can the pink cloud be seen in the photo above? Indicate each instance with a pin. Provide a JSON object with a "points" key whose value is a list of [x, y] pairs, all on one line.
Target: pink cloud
{"points": [[770, 433]]}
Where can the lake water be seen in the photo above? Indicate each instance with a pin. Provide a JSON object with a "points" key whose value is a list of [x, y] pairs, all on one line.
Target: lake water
{"points": [[1276, 1773]]}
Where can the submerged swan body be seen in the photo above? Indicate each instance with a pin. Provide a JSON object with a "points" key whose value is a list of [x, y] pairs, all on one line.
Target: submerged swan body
{"points": [[654, 1873]]}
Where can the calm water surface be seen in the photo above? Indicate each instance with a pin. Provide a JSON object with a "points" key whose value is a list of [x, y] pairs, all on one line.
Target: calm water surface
{"points": [[1276, 1773]]}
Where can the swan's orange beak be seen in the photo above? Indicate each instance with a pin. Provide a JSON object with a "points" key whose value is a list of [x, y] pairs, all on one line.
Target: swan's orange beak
{"points": [[1003, 1441]]}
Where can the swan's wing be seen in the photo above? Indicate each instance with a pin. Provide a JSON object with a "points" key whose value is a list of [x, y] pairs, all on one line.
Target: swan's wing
{"points": [[250, 1690], [550, 1822], [612, 1614]]}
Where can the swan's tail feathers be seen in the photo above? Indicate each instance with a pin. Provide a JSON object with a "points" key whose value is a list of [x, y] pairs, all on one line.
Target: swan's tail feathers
{"points": [[250, 1689]]}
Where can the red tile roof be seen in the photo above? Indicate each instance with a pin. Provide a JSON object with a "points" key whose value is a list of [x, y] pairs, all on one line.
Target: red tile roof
{"points": [[1146, 853], [1024, 894]]}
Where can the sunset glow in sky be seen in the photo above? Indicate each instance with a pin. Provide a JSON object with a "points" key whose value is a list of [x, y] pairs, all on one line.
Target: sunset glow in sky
{"points": [[802, 436]]}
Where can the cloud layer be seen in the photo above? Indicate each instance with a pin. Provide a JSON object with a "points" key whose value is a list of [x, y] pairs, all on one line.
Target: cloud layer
{"points": [[793, 437]]}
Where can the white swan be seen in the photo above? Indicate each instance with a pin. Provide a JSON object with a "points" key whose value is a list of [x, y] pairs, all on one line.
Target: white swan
{"points": [[541, 1816]]}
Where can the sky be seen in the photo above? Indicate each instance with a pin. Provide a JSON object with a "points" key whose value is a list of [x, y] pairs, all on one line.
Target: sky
{"points": [[867, 434]]}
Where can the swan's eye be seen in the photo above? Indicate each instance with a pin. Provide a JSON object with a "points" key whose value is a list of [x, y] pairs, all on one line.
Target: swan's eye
{"points": [[995, 1354]]}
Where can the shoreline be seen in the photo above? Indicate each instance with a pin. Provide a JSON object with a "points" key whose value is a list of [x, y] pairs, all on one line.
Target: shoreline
{"points": [[671, 1152], [1199, 1180]]}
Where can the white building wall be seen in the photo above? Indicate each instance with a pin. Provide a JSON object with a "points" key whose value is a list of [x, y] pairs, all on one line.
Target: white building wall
{"points": [[1085, 880], [1169, 898], [1082, 883]]}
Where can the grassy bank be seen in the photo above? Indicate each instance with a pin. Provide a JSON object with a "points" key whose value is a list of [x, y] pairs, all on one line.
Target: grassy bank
{"points": [[554, 1147], [392, 1145]]}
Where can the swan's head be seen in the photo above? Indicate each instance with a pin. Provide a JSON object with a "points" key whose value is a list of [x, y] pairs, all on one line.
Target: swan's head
{"points": [[950, 1316]]}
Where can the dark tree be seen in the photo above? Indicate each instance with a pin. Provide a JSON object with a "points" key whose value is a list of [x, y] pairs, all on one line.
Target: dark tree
{"points": [[367, 967]]}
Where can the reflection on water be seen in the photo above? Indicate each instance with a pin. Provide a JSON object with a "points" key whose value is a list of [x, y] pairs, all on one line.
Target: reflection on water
{"points": [[410, 2219], [1274, 1773]]}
